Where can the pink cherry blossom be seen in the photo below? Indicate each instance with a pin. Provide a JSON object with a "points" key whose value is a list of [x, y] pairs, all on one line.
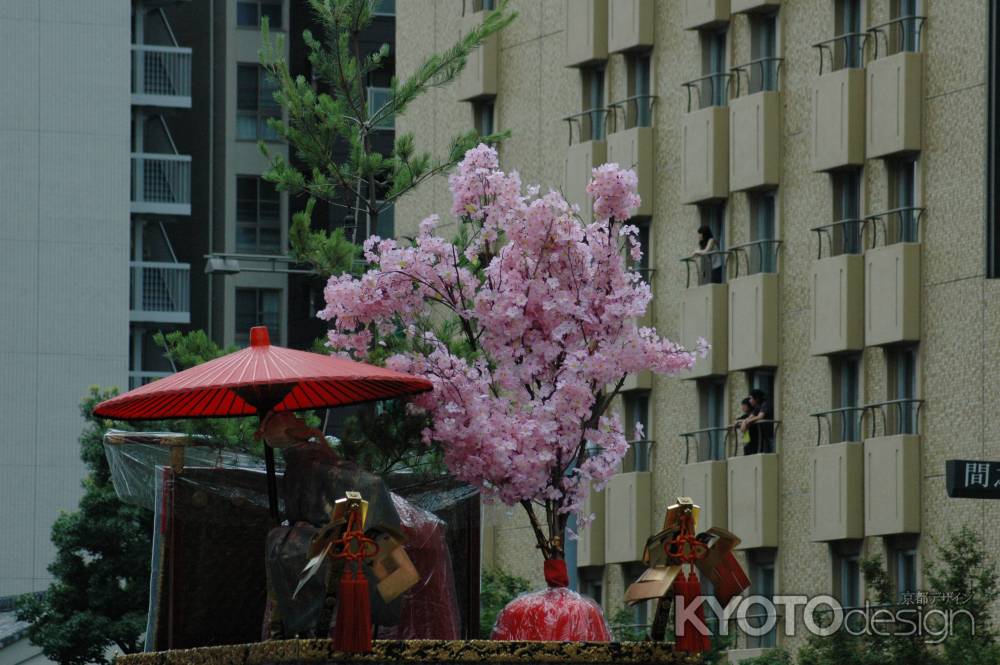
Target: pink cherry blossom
{"points": [[545, 307]]}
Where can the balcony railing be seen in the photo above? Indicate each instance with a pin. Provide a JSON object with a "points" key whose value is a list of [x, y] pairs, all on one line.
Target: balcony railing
{"points": [[901, 34], [161, 75], [141, 378], [762, 445], [161, 291], [161, 184], [705, 268], [710, 444], [590, 125], [898, 416], [845, 423], [634, 111], [761, 75], [842, 237], [710, 90], [848, 49], [758, 256], [898, 225]]}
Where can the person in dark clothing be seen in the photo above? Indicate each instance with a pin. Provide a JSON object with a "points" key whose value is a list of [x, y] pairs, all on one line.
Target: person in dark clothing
{"points": [[747, 437], [762, 420]]}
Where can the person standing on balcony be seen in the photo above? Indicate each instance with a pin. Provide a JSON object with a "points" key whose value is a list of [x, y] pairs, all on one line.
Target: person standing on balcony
{"points": [[710, 270], [747, 437], [761, 420]]}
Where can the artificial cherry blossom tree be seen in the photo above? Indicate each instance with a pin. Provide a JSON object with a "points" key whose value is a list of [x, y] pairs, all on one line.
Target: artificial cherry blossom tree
{"points": [[545, 307]]}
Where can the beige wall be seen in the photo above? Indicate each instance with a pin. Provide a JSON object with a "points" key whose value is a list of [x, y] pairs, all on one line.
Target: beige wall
{"points": [[959, 346]]}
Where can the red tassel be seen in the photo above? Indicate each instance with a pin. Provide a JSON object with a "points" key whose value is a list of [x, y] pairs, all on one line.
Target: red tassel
{"points": [[694, 588], [687, 589], [352, 631]]}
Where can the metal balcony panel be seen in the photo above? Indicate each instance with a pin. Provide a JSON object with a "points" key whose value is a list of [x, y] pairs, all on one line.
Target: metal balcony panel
{"points": [[590, 546], [700, 14], [894, 106], [586, 32], [752, 496], [838, 138], [633, 148], [838, 305], [627, 503], [753, 322], [581, 158], [892, 485], [838, 491], [704, 158], [478, 80], [892, 294], [705, 484], [160, 292], [161, 76], [161, 184], [755, 141], [630, 25], [704, 315]]}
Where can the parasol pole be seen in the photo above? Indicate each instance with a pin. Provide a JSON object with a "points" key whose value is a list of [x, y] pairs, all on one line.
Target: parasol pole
{"points": [[272, 476]]}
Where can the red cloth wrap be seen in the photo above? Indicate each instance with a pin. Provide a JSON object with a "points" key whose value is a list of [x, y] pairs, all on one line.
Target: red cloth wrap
{"points": [[555, 573]]}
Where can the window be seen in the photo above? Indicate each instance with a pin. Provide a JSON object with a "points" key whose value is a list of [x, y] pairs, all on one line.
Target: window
{"points": [[908, 29], [846, 557], [639, 111], [846, 371], [761, 573], [714, 66], [385, 8], [377, 98], [763, 72], [903, 565], [255, 103], [712, 416], [766, 431], [636, 411], [257, 307], [385, 223], [592, 583], [251, 14], [483, 5], [902, 367], [849, 50], [901, 226], [713, 269], [846, 237], [258, 216], [762, 256], [483, 116], [640, 611], [592, 123]]}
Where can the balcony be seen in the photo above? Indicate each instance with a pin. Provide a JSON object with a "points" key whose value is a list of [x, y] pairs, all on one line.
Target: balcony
{"points": [[161, 76], [160, 292], [701, 14], [892, 469], [628, 504], [590, 546], [589, 151], [753, 307], [752, 499], [838, 476], [478, 80], [754, 6], [586, 32], [704, 315], [136, 379], [838, 137], [705, 141], [161, 184], [630, 144], [704, 480], [892, 278], [837, 290], [894, 108], [755, 127], [630, 25]]}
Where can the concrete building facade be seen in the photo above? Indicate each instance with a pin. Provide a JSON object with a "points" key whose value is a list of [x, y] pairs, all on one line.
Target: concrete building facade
{"points": [[838, 150]]}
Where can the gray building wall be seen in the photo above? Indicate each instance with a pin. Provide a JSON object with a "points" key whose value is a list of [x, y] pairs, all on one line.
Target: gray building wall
{"points": [[64, 250]]}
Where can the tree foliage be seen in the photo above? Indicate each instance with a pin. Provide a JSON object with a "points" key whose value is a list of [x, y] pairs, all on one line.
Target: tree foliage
{"points": [[497, 588], [331, 115]]}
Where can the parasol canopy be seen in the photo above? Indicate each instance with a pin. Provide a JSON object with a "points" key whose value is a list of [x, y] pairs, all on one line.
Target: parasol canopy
{"points": [[258, 380]]}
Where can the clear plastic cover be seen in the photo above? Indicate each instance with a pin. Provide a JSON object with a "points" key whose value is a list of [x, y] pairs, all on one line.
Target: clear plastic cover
{"points": [[558, 614]]}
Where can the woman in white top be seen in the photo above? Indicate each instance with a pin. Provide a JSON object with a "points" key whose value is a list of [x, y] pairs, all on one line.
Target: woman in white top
{"points": [[711, 264]]}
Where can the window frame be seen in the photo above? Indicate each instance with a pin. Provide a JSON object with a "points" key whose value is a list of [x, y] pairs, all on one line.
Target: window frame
{"points": [[260, 16], [243, 337], [847, 205], [903, 384], [481, 110], [259, 222], [761, 568], [763, 258], [636, 408], [845, 374], [713, 412], [714, 67], [262, 110], [593, 103]]}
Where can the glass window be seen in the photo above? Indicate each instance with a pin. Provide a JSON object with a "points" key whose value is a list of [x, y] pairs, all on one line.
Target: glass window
{"points": [[714, 90], [845, 558], [902, 225], [377, 98], [592, 124], [483, 5], [908, 29], [902, 365], [385, 224], [712, 270], [903, 565], [763, 72], [385, 8], [846, 371], [251, 13], [258, 216], [712, 417], [592, 583], [848, 25], [762, 257], [761, 573], [257, 307], [846, 237], [636, 412], [482, 116], [255, 103], [639, 111]]}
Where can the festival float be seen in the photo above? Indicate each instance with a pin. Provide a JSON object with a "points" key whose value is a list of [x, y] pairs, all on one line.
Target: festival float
{"points": [[316, 560]]}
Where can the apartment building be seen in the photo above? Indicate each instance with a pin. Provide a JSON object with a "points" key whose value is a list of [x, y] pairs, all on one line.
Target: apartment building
{"points": [[64, 133], [838, 151]]}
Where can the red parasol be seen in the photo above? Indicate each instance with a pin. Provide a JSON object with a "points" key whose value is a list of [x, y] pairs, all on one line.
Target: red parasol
{"points": [[261, 379]]}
